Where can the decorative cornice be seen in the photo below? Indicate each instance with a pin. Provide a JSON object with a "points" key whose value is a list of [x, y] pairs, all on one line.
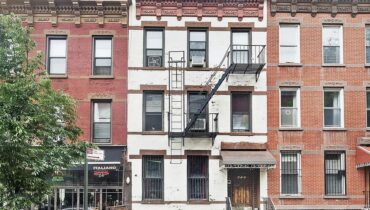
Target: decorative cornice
{"points": [[200, 8], [332, 7], [76, 11]]}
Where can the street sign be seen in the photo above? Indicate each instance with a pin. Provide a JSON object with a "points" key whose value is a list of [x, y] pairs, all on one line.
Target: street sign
{"points": [[95, 154]]}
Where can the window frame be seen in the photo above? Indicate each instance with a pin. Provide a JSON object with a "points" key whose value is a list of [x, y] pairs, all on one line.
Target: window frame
{"points": [[249, 94], [298, 107], [48, 47], [206, 178], [249, 48], [206, 110], [299, 169], [367, 109], [367, 30], [101, 37], [341, 106], [298, 57], [341, 51], [344, 187], [145, 93], [161, 178], [145, 49], [206, 31], [93, 102]]}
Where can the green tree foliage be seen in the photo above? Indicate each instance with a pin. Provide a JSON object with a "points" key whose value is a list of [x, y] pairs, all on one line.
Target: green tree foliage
{"points": [[38, 134]]}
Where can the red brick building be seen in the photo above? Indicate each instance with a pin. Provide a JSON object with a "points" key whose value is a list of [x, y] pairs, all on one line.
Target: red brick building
{"points": [[318, 101], [85, 47]]}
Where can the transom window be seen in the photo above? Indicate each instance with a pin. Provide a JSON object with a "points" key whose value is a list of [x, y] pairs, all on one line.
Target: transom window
{"points": [[290, 172], [335, 173], [152, 177], [102, 56], [153, 111], [197, 177], [332, 44], [289, 107], [333, 107], [102, 122], [240, 111], [154, 47], [289, 43], [57, 55], [198, 48]]}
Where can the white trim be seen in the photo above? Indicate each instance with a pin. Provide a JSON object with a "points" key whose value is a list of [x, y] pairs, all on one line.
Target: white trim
{"points": [[298, 101], [298, 56], [340, 42], [341, 105], [299, 180]]}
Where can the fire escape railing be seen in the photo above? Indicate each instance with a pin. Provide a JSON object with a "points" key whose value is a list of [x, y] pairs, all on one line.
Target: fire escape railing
{"points": [[240, 58]]}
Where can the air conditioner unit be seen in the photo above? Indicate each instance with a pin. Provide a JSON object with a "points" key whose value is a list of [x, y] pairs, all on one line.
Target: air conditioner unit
{"points": [[155, 61], [197, 61], [199, 125]]}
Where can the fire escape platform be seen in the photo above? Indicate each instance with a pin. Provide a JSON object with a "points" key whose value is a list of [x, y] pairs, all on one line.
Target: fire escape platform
{"points": [[204, 134]]}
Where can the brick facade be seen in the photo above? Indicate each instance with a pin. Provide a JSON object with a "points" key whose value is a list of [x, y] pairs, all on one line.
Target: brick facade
{"points": [[311, 76]]}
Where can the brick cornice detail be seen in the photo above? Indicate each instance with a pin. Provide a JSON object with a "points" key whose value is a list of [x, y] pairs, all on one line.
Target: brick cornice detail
{"points": [[332, 7], [76, 11], [200, 9]]}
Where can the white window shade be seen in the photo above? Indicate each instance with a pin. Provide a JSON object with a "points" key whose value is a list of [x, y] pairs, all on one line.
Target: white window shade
{"points": [[289, 41], [332, 36], [154, 103], [102, 112], [103, 48], [240, 38], [154, 39], [58, 48], [197, 36], [289, 35]]}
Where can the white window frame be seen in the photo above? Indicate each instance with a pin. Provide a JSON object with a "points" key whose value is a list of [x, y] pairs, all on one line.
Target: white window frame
{"points": [[343, 163], [367, 27], [299, 166], [298, 98], [367, 109], [341, 105], [298, 57], [340, 43]]}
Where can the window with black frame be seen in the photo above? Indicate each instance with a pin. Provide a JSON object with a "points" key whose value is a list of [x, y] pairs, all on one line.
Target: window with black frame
{"points": [[240, 111], [198, 48], [57, 55], [290, 172], [102, 122], [197, 177], [240, 46], [154, 47], [152, 177], [196, 100], [153, 111], [368, 108], [102, 56], [335, 173]]}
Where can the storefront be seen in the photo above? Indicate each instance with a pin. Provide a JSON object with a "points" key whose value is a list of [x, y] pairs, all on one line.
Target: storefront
{"points": [[105, 189]]}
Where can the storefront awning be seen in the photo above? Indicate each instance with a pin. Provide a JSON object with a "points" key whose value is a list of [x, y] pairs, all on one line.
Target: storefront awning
{"points": [[362, 156], [247, 159]]}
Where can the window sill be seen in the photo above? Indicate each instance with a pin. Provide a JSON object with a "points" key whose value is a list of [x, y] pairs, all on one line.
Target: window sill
{"points": [[241, 133], [58, 76], [334, 129], [153, 68], [290, 64], [291, 196], [101, 77], [154, 133], [101, 143], [333, 65], [152, 202], [290, 129], [335, 197], [367, 65], [199, 202]]}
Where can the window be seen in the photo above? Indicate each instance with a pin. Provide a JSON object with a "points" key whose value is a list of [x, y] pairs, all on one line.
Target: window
{"points": [[196, 100], [332, 44], [153, 111], [368, 107], [289, 107], [333, 107], [290, 172], [102, 56], [102, 122], [240, 109], [57, 55], [367, 43], [198, 48], [152, 177], [197, 177], [289, 41], [335, 173], [154, 47], [240, 46]]}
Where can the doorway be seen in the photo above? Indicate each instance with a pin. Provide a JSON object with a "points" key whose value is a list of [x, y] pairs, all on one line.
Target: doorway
{"points": [[243, 188]]}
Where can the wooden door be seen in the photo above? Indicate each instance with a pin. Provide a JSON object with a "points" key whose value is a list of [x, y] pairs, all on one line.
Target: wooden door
{"points": [[243, 187]]}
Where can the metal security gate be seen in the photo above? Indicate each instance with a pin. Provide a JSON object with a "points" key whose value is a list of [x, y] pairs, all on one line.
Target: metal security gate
{"points": [[243, 187]]}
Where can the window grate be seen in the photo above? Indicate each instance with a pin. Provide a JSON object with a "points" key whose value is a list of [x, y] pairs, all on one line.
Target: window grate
{"points": [[335, 173], [198, 177], [153, 177], [290, 172]]}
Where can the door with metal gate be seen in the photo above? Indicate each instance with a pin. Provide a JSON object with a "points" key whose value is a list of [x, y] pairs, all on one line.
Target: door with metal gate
{"points": [[243, 188]]}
